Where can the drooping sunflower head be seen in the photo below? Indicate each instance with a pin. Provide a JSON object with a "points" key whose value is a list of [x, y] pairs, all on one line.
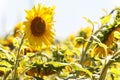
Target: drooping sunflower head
{"points": [[85, 32], [38, 27]]}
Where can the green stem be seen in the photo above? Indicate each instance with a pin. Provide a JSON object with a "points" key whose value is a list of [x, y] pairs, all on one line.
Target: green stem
{"points": [[17, 60], [6, 75], [85, 50], [104, 71], [88, 45], [106, 66]]}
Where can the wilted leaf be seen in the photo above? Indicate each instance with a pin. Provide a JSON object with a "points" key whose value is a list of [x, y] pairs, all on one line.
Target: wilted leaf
{"points": [[1, 73]]}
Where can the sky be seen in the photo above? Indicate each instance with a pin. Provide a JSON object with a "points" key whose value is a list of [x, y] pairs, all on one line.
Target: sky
{"points": [[68, 13]]}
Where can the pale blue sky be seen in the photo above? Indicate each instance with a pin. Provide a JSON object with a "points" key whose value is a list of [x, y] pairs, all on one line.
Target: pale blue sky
{"points": [[68, 13]]}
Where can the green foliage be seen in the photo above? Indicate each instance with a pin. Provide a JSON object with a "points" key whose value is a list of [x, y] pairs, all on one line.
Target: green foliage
{"points": [[105, 19]]}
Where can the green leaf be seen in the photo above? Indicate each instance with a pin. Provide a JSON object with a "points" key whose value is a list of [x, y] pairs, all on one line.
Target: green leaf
{"points": [[117, 59], [6, 54], [57, 64], [115, 71], [50, 65], [9, 61], [106, 19], [78, 67], [89, 21], [103, 45], [95, 38], [105, 11], [80, 40], [2, 63]]}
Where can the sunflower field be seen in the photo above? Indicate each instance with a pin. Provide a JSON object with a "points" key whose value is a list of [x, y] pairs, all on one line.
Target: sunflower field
{"points": [[32, 52]]}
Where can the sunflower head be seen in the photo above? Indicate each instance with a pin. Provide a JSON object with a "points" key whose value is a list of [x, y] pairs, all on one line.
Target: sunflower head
{"points": [[85, 32], [100, 51], [38, 27], [19, 27]]}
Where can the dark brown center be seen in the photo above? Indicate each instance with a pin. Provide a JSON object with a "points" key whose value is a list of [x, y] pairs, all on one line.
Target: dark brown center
{"points": [[37, 26]]}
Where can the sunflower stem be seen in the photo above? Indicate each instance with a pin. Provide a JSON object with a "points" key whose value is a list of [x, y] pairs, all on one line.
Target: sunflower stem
{"points": [[15, 75], [85, 50], [104, 71], [83, 56], [6, 75], [106, 66]]}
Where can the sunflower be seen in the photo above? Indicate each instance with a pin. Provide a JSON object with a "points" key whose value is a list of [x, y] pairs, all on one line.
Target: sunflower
{"points": [[8, 42], [82, 36], [19, 27], [85, 32], [100, 51], [38, 26], [111, 39]]}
